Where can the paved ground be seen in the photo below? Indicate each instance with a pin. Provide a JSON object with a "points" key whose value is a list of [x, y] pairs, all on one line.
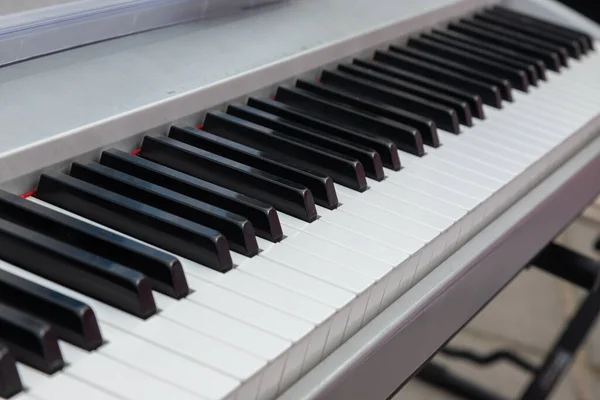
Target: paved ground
{"points": [[527, 316]]}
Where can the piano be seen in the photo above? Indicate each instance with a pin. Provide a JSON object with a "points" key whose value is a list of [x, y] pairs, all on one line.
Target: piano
{"points": [[304, 201]]}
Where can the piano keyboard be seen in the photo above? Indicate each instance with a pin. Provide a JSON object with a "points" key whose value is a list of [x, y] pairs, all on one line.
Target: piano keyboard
{"points": [[227, 259]]}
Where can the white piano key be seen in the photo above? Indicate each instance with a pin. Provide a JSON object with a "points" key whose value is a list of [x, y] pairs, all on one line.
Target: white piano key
{"points": [[408, 180], [259, 315], [475, 161], [171, 367], [343, 276], [201, 348], [304, 284], [445, 156], [119, 320], [66, 387], [380, 233], [383, 273], [32, 378], [435, 218], [250, 311], [381, 216], [279, 298], [127, 382], [351, 240]]}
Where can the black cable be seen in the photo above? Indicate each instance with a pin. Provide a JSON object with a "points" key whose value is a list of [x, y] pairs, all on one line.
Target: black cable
{"points": [[489, 358]]}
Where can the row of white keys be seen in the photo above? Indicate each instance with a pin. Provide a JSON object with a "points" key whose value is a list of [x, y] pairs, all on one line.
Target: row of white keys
{"points": [[273, 305], [476, 181], [214, 324]]}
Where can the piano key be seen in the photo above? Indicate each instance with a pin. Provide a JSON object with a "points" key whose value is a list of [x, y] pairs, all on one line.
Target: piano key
{"points": [[346, 279], [262, 216], [202, 348], [550, 58], [496, 58], [585, 39], [289, 150], [560, 51], [430, 102], [164, 271], [237, 335], [369, 158], [31, 340], [386, 148], [477, 43], [164, 229], [178, 370], [126, 381], [160, 327], [503, 84], [443, 110], [98, 277], [572, 45], [260, 314], [66, 387], [490, 94], [406, 138], [312, 288], [10, 381], [387, 75], [237, 229], [284, 195], [372, 105], [300, 307], [72, 320], [518, 77]]}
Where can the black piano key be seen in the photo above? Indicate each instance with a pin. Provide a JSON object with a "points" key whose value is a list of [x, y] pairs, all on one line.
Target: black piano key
{"points": [[164, 270], [477, 43], [216, 139], [503, 84], [289, 150], [586, 40], [518, 77], [238, 230], [572, 45], [31, 340], [529, 68], [149, 224], [72, 320], [490, 94], [394, 77], [561, 51], [10, 381], [407, 96], [550, 58], [78, 269], [369, 158], [374, 106], [385, 147], [262, 216], [286, 196], [406, 138]]}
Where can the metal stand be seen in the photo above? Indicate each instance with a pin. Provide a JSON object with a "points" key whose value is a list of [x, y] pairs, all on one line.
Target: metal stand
{"points": [[567, 265]]}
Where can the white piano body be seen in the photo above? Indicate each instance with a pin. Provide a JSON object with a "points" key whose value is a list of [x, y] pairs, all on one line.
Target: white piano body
{"points": [[72, 105]]}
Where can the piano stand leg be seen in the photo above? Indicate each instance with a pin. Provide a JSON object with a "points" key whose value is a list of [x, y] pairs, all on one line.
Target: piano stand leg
{"points": [[567, 265]]}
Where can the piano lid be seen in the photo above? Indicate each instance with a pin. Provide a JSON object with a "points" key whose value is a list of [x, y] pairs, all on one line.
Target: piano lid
{"points": [[141, 82], [35, 28]]}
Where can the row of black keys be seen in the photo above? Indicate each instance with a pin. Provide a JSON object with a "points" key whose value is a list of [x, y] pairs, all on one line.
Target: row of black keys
{"points": [[198, 193]]}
